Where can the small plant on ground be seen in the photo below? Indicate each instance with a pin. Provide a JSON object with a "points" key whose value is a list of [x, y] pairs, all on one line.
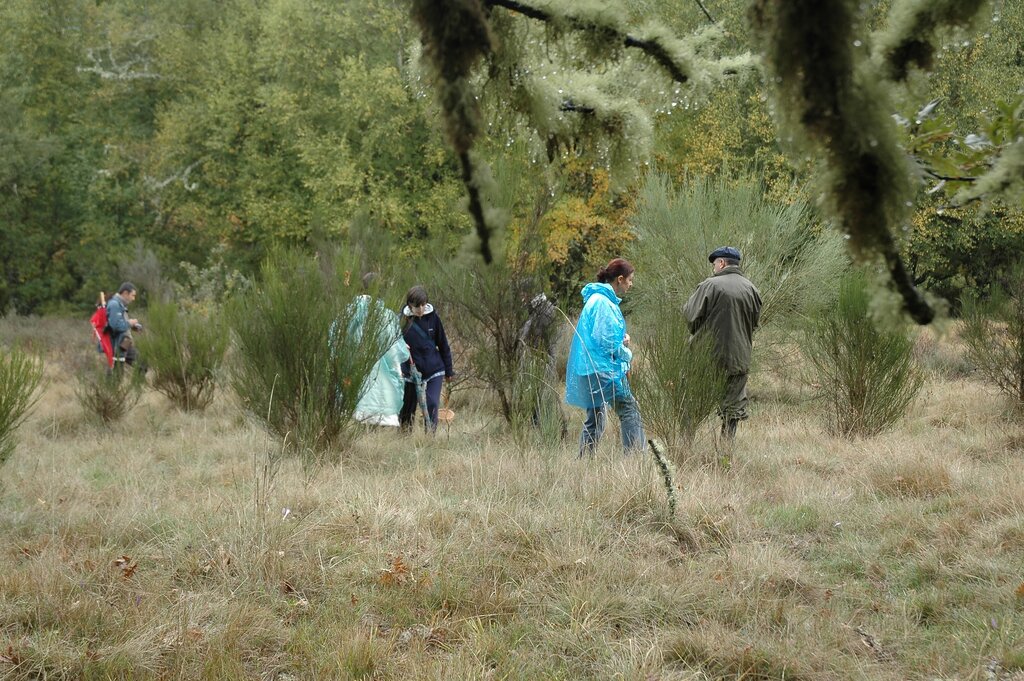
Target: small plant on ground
{"points": [[185, 351], [20, 376], [866, 371], [665, 470], [107, 394], [994, 334], [301, 365]]}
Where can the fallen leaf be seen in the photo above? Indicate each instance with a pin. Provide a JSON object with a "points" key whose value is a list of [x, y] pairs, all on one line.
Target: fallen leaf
{"points": [[126, 565], [1020, 591], [397, 574]]}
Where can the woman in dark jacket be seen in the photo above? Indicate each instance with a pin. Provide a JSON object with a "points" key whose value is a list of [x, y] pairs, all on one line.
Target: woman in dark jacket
{"points": [[431, 358]]}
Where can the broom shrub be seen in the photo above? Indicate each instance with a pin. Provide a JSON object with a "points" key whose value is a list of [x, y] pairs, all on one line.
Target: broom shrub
{"points": [[994, 334], [184, 351], [300, 365], [107, 393], [866, 370], [677, 382], [20, 376]]}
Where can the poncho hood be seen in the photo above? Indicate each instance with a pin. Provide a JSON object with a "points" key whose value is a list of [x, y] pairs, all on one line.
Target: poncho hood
{"points": [[596, 288]]}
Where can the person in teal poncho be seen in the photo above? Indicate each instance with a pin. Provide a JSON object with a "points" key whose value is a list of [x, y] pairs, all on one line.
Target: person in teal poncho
{"points": [[600, 358], [382, 401]]}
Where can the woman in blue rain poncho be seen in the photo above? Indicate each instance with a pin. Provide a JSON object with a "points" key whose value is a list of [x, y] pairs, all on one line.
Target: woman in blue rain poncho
{"points": [[599, 359], [382, 400]]}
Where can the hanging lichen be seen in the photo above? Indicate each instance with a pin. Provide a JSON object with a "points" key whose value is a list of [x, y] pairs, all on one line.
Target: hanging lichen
{"points": [[912, 32], [456, 36], [830, 105], [1006, 178], [592, 109]]}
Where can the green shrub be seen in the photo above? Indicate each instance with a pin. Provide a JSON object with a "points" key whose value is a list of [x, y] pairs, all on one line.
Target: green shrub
{"points": [[291, 371], [994, 334], [793, 262], [866, 371], [20, 376], [678, 383], [185, 351], [490, 307], [108, 394]]}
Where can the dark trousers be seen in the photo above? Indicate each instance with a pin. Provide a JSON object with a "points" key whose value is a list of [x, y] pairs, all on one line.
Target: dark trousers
{"points": [[410, 403]]}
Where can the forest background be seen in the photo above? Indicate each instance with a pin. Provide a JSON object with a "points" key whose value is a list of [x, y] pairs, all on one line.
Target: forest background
{"points": [[178, 141]]}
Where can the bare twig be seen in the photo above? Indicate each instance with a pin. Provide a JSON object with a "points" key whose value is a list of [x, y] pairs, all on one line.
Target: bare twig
{"points": [[125, 71], [705, 10]]}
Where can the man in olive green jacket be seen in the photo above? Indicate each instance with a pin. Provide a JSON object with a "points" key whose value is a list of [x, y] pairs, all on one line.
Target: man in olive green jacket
{"points": [[727, 306]]}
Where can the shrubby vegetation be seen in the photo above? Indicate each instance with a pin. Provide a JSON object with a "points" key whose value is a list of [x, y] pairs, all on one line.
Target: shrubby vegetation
{"points": [[994, 333], [793, 260], [678, 383], [299, 366], [488, 308], [184, 351], [865, 370], [107, 394], [433, 558], [20, 376]]}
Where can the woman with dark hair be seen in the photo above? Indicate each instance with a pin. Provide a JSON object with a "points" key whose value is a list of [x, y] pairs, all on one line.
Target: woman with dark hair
{"points": [[431, 361], [599, 359]]}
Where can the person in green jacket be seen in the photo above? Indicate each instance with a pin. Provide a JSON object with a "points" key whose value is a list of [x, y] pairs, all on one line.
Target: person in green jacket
{"points": [[727, 306]]}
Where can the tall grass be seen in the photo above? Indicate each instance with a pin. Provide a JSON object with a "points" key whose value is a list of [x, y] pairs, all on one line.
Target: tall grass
{"points": [[20, 376], [865, 370], [184, 351], [291, 371], [472, 557]]}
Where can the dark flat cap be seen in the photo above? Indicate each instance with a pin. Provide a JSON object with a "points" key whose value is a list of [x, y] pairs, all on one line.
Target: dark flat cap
{"points": [[724, 252]]}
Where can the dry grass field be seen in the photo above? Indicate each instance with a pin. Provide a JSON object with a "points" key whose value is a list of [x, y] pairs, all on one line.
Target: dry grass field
{"points": [[179, 546]]}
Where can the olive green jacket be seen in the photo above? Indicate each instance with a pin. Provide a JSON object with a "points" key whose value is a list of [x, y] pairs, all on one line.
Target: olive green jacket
{"points": [[727, 306]]}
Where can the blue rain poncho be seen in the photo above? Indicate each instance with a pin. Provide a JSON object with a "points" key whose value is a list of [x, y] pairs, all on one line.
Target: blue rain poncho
{"points": [[598, 361], [382, 400]]}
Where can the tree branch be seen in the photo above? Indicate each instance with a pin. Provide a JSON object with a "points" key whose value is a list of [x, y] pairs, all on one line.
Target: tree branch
{"points": [[652, 47], [476, 207], [569, 105], [705, 10], [117, 71], [182, 175], [937, 176]]}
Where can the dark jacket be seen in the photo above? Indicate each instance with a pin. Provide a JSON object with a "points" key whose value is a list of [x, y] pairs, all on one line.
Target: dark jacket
{"points": [[728, 307], [428, 346]]}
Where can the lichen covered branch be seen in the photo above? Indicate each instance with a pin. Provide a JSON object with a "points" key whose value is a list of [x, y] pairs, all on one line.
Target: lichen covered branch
{"points": [[825, 97]]}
